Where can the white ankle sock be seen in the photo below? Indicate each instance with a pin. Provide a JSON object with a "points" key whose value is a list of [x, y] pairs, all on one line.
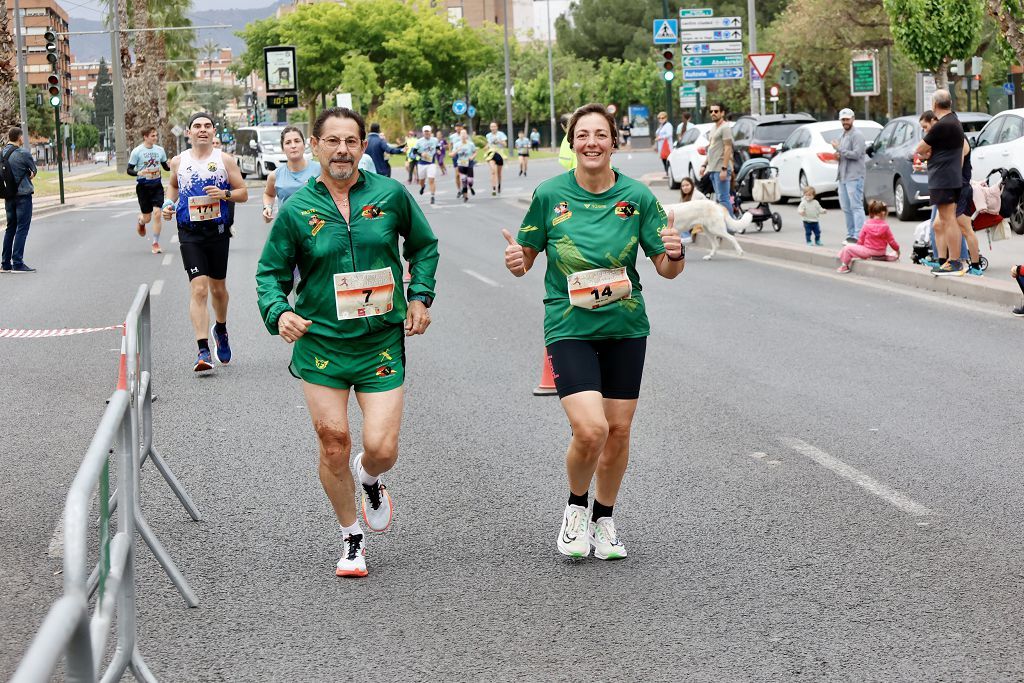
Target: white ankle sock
{"points": [[364, 478], [354, 529]]}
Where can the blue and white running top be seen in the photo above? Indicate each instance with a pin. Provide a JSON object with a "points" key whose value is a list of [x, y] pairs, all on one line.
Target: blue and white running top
{"points": [[193, 204]]}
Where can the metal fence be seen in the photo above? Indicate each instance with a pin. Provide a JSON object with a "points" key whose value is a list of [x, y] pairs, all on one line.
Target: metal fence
{"points": [[125, 433]]}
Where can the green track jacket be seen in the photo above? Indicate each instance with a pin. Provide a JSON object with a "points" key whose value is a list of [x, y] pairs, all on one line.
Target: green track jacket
{"points": [[310, 233]]}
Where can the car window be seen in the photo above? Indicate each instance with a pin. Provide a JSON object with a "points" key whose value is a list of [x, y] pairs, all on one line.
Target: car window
{"points": [[902, 135], [690, 136], [776, 131], [1013, 128], [739, 130], [883, 139], [990, 133], [832, 134], [869, 133], [793, 141], [974, 125]]}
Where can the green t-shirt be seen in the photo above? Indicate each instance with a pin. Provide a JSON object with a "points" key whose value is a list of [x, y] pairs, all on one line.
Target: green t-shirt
{"points": [[582, 231]]}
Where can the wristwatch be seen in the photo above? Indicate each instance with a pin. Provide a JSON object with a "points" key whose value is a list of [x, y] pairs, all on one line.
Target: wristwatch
{"points": [[227, 194], [682, 254], [425, 299]]}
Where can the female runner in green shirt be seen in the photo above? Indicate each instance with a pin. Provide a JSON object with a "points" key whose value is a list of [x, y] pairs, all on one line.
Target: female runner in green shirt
{"points": [[590, 222]]}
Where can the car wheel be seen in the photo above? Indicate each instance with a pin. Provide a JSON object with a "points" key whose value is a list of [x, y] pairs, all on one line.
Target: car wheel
{"points": [[673, 184], [776, 222], [693, 175], [259, 171], [244, 175], [904, 209], [1016, 219]]}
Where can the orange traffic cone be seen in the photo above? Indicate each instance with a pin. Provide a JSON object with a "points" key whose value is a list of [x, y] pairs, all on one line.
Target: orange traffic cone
{"points": [[547, 379], [408, 273]]}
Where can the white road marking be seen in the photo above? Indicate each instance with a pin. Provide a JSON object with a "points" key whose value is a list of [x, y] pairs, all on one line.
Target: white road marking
{"points": [[122, 214], [167, 260], [481, 278], [174, 238], [766, 459], [157, 287], [830, 462]]}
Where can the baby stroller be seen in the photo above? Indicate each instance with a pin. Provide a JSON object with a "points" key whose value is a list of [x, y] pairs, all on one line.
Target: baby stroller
{"points": [[757, 181]]}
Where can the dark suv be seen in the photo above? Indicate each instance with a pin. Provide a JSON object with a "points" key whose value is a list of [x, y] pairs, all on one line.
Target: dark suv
{"points": [[761, 136]]}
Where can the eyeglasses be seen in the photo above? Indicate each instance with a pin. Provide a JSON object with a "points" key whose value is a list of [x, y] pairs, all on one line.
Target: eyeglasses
{"points": [[332, 142], [714, 111]]}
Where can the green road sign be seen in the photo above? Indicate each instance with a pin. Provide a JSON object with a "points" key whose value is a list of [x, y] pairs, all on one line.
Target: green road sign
{"points": [[713, 60], [704, 12], [863, 76]]}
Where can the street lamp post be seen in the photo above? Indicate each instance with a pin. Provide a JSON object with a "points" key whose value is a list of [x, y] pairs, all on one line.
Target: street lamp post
{"points": [[551, 81], [19, 42], [508, 78]]}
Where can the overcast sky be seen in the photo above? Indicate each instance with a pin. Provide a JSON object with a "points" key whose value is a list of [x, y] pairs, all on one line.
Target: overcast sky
{"points": [[92, 9]]}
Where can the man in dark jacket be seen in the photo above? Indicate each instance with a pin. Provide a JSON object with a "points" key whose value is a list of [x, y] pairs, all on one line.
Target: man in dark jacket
{"points": [[19, 209], [377, 147]]}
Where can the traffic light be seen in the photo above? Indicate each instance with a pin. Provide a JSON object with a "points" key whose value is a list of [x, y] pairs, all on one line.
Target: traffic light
{"points": [[53, 87], [51, 47], [669, 65]]}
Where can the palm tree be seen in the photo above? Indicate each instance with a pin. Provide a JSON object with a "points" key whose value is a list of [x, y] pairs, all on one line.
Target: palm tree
{"points": [[8, 78], [173, 55]]}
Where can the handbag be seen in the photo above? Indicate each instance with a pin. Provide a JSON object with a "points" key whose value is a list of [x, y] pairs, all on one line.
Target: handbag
{"points": [[666, 149], [766, 190]]}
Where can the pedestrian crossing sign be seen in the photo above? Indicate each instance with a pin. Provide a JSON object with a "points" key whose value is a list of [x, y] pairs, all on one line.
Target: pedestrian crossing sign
{"points": [[666, 31]]}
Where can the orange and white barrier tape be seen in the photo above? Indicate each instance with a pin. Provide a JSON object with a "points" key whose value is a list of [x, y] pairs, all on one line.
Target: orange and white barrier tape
{"points": [[11, 333]]}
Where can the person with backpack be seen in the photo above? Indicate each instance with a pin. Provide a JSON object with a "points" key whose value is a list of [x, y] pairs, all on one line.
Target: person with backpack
{"points": [[17, 168]]}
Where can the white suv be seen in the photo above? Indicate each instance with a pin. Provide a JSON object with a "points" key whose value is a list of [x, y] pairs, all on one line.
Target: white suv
{"points": [[1000, 144]]}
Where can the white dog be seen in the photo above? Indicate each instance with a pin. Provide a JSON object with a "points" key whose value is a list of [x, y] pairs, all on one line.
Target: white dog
{"points": [[701, 214]]}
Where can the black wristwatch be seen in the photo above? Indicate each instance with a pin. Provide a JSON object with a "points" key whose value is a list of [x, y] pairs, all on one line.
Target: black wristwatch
{"points": [[682, 254], [425, 299], [227, 193]]}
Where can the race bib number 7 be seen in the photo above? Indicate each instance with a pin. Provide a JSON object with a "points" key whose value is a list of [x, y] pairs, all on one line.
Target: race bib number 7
{"points": [[203, 208], [364, 294], [592, 289]]}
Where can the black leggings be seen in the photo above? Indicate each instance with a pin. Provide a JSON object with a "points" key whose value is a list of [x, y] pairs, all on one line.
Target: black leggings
{"points": [[613, 367]]}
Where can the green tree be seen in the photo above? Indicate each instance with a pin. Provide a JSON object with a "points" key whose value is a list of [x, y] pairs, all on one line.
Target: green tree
{"points": [[934, 32], [86, 136], [8, 78], [103, 96]]}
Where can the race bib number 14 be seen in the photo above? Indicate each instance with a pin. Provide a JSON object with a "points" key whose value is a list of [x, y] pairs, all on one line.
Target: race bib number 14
{"points": [[599, 287], [364, 294]]}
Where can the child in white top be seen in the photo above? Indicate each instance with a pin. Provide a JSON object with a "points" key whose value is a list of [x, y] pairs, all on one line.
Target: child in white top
{"points": [[810, 210]]}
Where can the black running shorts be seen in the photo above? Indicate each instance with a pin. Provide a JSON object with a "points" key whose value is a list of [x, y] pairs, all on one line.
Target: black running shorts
{"points": [[940, 196], [208, 257], [498, 159], [965, 203], [151, 196], [613, 367]]}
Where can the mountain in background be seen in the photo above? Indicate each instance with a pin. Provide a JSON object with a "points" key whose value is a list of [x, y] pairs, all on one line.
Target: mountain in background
{"points": [[90, 48]]}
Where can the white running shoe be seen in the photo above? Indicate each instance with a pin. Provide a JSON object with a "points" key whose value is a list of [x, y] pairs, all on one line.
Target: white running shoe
{"points": [[602, 536], [353, 562], [377, 508], [572, 537]]}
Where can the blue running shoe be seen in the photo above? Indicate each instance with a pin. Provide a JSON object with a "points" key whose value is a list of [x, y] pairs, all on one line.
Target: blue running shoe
{"points": [[220, 342], [929, 263], [975, 271], [204, 362]]}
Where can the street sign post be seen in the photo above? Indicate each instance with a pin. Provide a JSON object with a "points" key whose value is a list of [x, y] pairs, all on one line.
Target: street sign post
{"points": [[703, 12], [863, 75], [713, 74], [471, 112], [666, 31], [711, 22], [691, 95], [459, 107], [710, 36], [713, 60], [761, 62], [713, 49]]}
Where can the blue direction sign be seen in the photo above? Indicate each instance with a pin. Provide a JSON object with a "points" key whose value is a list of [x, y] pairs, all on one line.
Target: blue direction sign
{"points": [[459, 107], [711, 48], [709, 36], [1008, 88], [713, 60], [712, 74], [704, 12], [711, 22], [666, 31], [471, 112]]}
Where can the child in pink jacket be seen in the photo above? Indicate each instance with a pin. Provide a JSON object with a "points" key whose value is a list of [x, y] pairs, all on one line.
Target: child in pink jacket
{"points": [[875, 236]]}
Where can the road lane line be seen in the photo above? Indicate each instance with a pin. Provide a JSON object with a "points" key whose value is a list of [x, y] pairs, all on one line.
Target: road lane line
{"points": [[481, 278], [122, 214], [852, 474], [167, 260], [157, 287]]}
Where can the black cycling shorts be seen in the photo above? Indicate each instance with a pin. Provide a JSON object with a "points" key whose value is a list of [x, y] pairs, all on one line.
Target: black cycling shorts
{"points": [[498, 159], [965, 204], [206, 257], [613, 367], [151, 196], [940, 196]]}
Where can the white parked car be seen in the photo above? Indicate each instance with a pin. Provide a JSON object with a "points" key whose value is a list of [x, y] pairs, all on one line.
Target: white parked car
{"points": [[1000, 144], [689, 154], [807, 156]]}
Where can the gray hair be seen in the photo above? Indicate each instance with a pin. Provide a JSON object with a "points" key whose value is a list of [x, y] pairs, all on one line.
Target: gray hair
{"points": [[942, 100]]}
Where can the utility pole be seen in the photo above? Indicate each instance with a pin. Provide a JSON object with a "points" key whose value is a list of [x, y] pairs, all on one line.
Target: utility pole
{"points": [[117, 80], [19, 43], [755, 100], [551, 82], [668, 84], [508, 79]]}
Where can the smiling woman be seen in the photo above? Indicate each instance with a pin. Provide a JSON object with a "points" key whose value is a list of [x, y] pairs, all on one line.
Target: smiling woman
{"points": [[589, 222]]}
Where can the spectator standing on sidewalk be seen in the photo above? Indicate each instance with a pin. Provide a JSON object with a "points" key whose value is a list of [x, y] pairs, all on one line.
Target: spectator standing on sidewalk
{"points": [[663, 139], [874, 237], [720, 156], [943, 147], [19, 207], [810, 211], [851, 150]]}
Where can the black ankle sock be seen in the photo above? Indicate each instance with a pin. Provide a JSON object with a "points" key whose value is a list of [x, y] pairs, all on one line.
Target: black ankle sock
{"points": [[220, 328], [578, 500], [976, 265], [942, 261], [203, 344], [601, 511]]}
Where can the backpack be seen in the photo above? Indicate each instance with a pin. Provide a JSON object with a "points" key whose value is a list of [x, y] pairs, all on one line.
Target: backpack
{"points": [[1013, 188], [8, 185]]}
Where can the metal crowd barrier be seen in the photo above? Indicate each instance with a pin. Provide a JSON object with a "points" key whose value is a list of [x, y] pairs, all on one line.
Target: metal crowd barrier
{"points": [[126, 432]]}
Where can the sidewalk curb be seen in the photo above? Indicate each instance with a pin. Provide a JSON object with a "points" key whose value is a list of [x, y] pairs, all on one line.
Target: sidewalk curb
{"points": [[113, 192], [987, 289]]}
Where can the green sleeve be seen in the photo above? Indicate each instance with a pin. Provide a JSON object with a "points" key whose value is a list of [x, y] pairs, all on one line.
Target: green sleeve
{"points": [[274, 272], [533, 232], [652, 221], [419, 248]]}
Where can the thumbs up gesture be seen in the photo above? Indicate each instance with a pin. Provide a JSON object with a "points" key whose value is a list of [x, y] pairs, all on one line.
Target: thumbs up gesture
{"points": [[671, 239], [515, 261]]}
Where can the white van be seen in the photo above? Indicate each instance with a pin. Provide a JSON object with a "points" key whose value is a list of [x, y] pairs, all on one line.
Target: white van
{"points": [[258, 149]]}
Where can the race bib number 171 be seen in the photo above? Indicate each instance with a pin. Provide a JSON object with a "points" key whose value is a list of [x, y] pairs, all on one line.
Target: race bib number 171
{"points": [[364, 294]]}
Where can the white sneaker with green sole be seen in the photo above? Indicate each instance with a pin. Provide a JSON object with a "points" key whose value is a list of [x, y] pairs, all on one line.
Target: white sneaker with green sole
{"points": [[572, 537], [602, 536]]}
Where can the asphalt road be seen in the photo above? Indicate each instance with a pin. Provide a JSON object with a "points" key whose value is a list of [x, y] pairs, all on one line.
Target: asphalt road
{"points": [[825, 484]]}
